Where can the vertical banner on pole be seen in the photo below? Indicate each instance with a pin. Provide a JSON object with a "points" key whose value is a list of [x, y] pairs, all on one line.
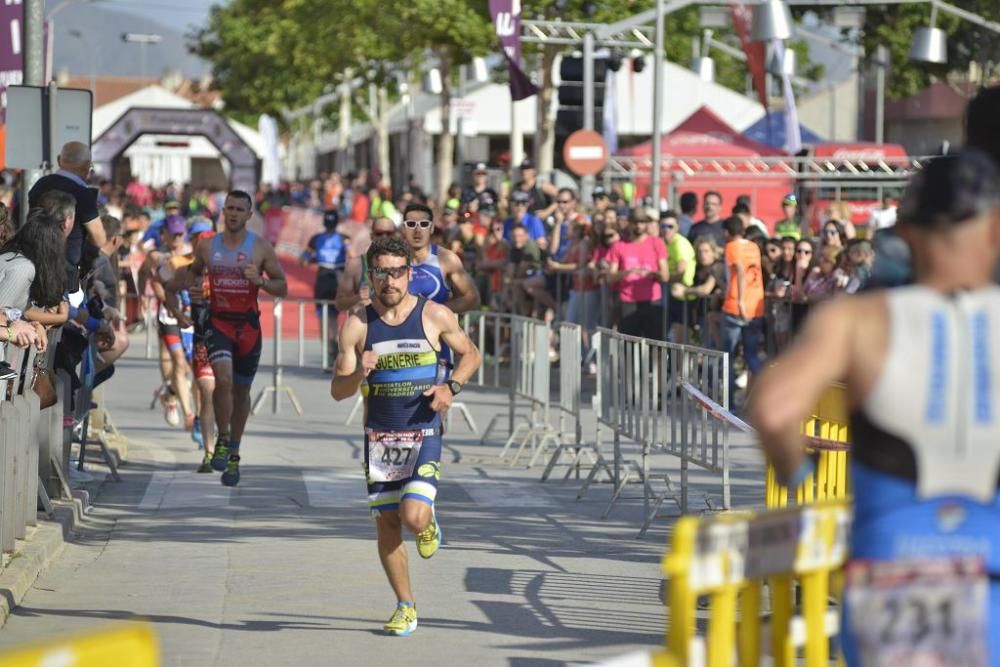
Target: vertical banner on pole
{"points": [[11, 59], [506, 15], [742, 20]]}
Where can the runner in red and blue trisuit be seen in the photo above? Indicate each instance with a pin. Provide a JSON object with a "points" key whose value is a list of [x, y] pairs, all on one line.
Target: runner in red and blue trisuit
{"points": [[236, 262]]}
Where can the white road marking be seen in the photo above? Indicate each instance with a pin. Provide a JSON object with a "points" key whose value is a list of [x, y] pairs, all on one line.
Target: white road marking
{"points": [[335, 488]]}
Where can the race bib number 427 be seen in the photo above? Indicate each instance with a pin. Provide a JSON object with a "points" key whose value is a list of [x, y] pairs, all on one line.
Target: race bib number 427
{"points": [[392, 456], [919, 613]]}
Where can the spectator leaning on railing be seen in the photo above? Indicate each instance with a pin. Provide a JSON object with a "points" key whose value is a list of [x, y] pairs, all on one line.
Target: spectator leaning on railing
{"points": [[743, 308], [681, 265], [638, 267]]}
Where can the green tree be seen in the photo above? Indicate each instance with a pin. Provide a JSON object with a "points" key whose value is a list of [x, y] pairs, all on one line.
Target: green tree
{"points": [[893, 26]]}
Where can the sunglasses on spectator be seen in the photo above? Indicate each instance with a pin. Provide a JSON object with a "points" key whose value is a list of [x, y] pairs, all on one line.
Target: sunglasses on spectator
{"points": [[392, 272], [803, 251], [565, 201], [381, 234], [668, 226], [830, 231], [422, 224]]}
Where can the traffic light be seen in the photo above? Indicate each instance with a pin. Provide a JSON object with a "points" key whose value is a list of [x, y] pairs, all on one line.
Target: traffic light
{"points": [[569, 117]]}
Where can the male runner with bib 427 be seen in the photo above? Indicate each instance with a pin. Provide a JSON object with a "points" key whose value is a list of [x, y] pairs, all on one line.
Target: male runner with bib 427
{"points": [[398, 339]]}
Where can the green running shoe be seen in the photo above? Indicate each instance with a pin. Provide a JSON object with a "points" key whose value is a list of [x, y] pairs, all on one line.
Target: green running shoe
{"points": [[429, 539], [221, 455], [403, 621], [206, 462], [231, 477]]}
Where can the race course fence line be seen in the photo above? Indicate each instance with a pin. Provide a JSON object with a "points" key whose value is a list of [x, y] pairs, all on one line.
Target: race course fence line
{"points": [[641, 398]]}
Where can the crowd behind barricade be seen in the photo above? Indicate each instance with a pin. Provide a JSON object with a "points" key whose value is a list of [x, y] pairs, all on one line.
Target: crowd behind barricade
{"points": [[699, 269]]}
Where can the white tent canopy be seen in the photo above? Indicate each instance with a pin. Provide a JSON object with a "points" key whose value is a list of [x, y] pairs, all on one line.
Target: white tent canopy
{"points": [[152, 161]]}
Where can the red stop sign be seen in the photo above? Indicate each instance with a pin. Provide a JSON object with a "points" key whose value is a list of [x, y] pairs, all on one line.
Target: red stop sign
{"points": [[585, 152]]}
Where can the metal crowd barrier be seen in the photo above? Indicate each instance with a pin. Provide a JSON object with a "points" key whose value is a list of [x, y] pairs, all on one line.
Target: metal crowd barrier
{"points": [[524, 343], [644, 396], [730, 558], [82, 413], [19, 416], [570, 430]]}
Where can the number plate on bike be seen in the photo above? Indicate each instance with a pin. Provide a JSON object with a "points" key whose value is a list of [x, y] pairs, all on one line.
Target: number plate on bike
{"points": [[919, 612], [393, 455]]}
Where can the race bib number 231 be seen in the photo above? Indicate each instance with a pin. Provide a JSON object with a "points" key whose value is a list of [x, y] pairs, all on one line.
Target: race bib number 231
{"points": [[920, 612]]}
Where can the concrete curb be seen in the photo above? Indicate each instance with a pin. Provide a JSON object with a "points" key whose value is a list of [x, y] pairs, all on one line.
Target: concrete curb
{"points": [[43, 545]]}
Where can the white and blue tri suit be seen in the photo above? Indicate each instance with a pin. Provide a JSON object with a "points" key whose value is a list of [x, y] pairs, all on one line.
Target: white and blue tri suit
{"points": [[926, 442], [428, 280], [402, 432], [329, 252]]}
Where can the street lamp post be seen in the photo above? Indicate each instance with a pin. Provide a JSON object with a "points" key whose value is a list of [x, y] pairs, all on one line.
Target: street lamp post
{"points": [[93, 59], [143, 39]]}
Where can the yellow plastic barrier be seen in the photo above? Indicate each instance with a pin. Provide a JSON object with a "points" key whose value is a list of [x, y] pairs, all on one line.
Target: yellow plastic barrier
{"points": [[123, 646], [730, 557], [827, 426]]}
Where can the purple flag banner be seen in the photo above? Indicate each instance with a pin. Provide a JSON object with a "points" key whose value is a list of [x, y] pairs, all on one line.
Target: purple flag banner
{"points": [[11, 49], [506, 15]]}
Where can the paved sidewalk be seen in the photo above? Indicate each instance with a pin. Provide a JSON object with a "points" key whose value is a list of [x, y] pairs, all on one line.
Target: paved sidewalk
{"points": [[283, 568]]}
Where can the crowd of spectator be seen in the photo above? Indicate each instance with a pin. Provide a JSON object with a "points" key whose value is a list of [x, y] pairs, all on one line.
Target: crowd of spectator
{"points": [[706, 271]]}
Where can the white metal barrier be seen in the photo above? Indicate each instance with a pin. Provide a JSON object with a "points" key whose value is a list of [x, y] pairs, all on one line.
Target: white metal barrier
{"points": [[19, 416], [642, 399]]}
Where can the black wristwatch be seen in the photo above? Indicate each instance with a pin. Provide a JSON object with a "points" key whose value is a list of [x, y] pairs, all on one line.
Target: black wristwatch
{"points": [[455, 387]]}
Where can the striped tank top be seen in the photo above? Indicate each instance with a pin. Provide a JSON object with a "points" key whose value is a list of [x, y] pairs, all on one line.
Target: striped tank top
{"points": [[407, 367]]}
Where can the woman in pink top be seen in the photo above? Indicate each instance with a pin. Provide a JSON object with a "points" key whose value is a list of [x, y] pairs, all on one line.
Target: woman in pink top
{"points": [[639, 267]]}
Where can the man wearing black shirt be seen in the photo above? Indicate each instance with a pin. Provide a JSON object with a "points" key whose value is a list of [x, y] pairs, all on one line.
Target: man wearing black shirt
{"points": [[74, 167], [480, 192], [711, 226], [540, 203]]}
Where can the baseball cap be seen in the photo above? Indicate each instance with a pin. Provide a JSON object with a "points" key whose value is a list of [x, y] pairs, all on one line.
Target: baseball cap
{"points": [[526, 163], [330, 218], [600, 192], [175, 224], [480, 167], [646, 214], [520, 197], [950, 190], [452, 205], [171, 203], [790, 200], [200, 226]]}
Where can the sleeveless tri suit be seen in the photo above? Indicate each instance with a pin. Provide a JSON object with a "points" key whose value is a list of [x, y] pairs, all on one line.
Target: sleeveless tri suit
{"points": [[925, 476], [234, 325], [428, 280], [402, 432]]}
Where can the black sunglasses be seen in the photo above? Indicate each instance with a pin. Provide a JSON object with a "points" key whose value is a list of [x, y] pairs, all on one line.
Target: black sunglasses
{"points": [[392, 272]]}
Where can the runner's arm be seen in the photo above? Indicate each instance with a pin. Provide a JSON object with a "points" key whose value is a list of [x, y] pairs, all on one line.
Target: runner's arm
{"points": [[465, 296], [349, 373], [180, 281], [785, 392], [349, 287], [464, 349], [275, 284]]}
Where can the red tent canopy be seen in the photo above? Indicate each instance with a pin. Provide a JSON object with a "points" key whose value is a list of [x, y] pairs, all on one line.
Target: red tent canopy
{"points": [[692, 162], [703, 134]]}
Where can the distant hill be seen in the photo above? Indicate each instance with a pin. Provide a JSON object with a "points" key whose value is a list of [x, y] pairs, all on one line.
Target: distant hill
{"points": [[103, 28]]}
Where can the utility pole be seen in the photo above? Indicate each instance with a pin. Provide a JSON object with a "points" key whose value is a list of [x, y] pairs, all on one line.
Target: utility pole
{"points": [[34, 75], [587, 182], [654, 188]]}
